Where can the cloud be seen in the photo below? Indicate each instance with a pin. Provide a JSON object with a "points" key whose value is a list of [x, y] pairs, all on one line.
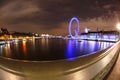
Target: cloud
{"points": [[17, 9], [53, 15]]}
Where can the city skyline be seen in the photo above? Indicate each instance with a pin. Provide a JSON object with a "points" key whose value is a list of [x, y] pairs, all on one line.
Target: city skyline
{"points": [[53, 16]]}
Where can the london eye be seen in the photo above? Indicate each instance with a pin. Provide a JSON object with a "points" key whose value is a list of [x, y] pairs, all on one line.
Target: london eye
{"points": [[74, 28]]}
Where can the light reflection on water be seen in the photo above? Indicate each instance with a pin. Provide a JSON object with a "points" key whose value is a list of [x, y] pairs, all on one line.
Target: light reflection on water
{"points": [[24, 48], [50, 49], [75, 48]]}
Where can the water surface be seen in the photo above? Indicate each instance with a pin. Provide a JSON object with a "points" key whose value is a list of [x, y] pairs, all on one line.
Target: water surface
{"points": [[50, 49]]}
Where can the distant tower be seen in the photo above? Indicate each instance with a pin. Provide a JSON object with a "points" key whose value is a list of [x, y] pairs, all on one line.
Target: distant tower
{"points": [[86, 30], [4, 31], [97, 34], [97, 29]]}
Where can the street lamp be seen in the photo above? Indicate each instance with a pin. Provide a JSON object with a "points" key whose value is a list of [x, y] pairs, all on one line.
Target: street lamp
{"points": [[118, 27]]}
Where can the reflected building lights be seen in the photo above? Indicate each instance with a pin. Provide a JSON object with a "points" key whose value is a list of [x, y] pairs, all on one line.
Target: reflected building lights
{"points": [[24, 48], [16, 41], [93, 46], [47, 48], [84, 48], [70, 52], [16, 47], [45, 44], [7, 50], [1, 50], [32, 42]]}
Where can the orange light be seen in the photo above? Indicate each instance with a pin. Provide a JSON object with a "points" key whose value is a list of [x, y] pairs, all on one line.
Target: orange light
{"points": [[24, 48], [118, 26]]}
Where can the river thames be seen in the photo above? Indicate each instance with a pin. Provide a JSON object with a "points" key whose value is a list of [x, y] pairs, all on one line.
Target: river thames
{"points": [[45, 49]]}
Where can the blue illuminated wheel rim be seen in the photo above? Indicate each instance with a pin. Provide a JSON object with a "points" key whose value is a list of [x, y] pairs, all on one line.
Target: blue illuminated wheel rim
{"points": [[70, 26]]}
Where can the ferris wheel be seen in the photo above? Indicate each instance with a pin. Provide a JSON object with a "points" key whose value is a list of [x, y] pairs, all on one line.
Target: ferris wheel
{"points": [[74, 27]]}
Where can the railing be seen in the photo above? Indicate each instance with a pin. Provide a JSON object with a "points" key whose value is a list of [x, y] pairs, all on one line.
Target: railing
{"points": [[94, 66]]}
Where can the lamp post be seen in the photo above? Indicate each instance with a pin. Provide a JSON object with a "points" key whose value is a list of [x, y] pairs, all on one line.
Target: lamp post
{"points": [[118, 27]]}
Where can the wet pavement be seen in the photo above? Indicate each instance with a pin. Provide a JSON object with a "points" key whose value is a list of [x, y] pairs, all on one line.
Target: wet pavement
{"points": [[115, 72], [59, 70]]}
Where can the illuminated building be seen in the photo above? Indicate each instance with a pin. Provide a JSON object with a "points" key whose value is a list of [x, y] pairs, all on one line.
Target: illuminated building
{"points": [[101, 35]]}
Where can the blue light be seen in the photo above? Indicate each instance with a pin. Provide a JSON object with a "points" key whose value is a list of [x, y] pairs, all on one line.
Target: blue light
{"points": [[69, 53], [93, 36], [84, 37], [76, 30], [105, 37], [86, 30], [113, 37]]}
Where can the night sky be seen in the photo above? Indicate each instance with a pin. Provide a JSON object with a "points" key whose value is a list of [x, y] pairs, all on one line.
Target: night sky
{"points": [[52, 16]]}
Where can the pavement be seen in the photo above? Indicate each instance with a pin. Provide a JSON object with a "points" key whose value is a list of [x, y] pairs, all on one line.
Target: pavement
{"points": [[59, 70], [115, 72]]}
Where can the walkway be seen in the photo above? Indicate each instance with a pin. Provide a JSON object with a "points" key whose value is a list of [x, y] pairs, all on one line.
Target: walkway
{"points": [[115, 73]]}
